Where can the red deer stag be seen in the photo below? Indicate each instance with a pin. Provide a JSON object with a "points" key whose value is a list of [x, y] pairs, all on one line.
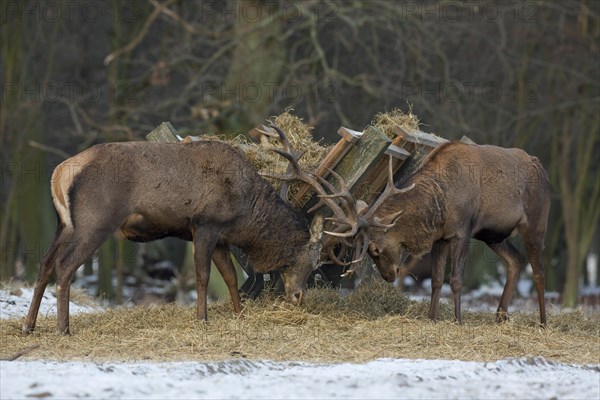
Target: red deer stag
{"points": [[462, 191], [205, 192]]}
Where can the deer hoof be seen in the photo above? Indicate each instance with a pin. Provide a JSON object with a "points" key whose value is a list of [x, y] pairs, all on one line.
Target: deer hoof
{"points": [[25, 330], [501, 316]]}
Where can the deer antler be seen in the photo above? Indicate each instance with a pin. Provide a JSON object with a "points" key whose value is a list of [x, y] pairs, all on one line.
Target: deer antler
{"points": [[369, 213], [352, 220], [367, 218], [345, 214]]}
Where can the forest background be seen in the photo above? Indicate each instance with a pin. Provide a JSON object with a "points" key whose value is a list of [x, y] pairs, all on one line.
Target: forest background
{"points": [[509, 73]]}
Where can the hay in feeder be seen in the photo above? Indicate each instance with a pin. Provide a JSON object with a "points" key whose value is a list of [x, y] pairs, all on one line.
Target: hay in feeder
{"points": [[387, 122], [301, 139], [266, 161]]}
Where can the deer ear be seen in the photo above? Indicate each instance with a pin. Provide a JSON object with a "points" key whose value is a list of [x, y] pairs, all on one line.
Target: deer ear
{"points": [[316, 228]]}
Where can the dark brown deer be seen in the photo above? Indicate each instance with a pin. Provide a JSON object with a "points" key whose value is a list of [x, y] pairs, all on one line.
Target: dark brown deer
{"points": [[463, 191], [204, 192]]}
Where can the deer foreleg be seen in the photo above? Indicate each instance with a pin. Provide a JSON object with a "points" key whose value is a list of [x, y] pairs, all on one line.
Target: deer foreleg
{"points": [[439, 254], [460, 251], [204, 244]]}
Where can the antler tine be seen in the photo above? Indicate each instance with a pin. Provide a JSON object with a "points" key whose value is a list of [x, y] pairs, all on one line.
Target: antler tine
{"points": [[390, 180], [369, 213], [335, 258], [361, 249], [345, 216], [343, 193], [325, 182], [365, 246], [283, 138], [311, 179]]}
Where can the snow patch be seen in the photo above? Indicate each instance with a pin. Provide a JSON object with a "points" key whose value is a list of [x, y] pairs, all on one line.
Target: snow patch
{"points": [[16, 304], [532, 378]]}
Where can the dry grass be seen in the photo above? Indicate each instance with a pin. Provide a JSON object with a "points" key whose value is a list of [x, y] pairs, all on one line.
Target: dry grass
{"points": [[267, 162], [387, 122], [374, 321]]}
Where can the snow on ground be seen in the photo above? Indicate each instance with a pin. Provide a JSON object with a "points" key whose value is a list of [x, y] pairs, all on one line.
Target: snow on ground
{"points": [[527, 378], [16, 304]]}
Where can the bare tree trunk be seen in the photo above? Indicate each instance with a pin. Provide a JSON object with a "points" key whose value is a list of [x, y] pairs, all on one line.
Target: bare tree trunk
{"points": [[258, 61]]}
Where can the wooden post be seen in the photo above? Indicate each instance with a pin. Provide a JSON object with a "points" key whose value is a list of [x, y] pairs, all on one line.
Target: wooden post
{"points": [[379, 174], [362, 156], [163, 133], [418, 144], [361, 159], [330, 162], [467, 140]]}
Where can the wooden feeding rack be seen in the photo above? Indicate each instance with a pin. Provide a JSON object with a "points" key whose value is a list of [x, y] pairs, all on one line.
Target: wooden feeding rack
{"points": [[360, 158]]}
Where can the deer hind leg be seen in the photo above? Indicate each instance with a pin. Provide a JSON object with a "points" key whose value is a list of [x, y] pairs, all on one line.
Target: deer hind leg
{"points": [[222, 260], [69, 258], [204, 245], [439, 254], [534, 246], [514, 261], [46, 268], [460, 251]]}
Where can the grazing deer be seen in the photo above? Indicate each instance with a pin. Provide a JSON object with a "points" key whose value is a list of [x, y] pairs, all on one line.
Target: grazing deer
{"points": [[205, 192], [463, 191]]}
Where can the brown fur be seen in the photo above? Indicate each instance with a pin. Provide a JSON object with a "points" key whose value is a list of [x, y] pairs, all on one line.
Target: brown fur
{"points": [[463, 191], [205, 192]]}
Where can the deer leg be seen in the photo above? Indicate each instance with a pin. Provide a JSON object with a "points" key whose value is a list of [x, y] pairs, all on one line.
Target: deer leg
{"points": [[534, 251], [439, 254], [514, 261], [68, 260], [46, 268], [222, 260], [460, 250], [204, 246]]}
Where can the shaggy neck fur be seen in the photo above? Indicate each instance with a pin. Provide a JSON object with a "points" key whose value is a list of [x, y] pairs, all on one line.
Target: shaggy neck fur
{"points": [[269, 245], [422, 219]]}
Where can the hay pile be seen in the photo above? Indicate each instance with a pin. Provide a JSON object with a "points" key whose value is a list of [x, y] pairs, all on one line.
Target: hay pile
{"points": [[419, 145], [374, 321], [268, 162], [387, 122]]}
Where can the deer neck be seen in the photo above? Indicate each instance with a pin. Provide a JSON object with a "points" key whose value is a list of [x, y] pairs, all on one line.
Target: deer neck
{"points": [[275, 234], [422, 220]]}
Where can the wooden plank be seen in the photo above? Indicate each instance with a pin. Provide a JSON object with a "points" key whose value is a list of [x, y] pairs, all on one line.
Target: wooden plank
{"points": [[466, 139], [362, 158], [378, 175], [418, 144], [350, 135], [419, 138], [164, 133], [397, 152], [331, 160]]}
